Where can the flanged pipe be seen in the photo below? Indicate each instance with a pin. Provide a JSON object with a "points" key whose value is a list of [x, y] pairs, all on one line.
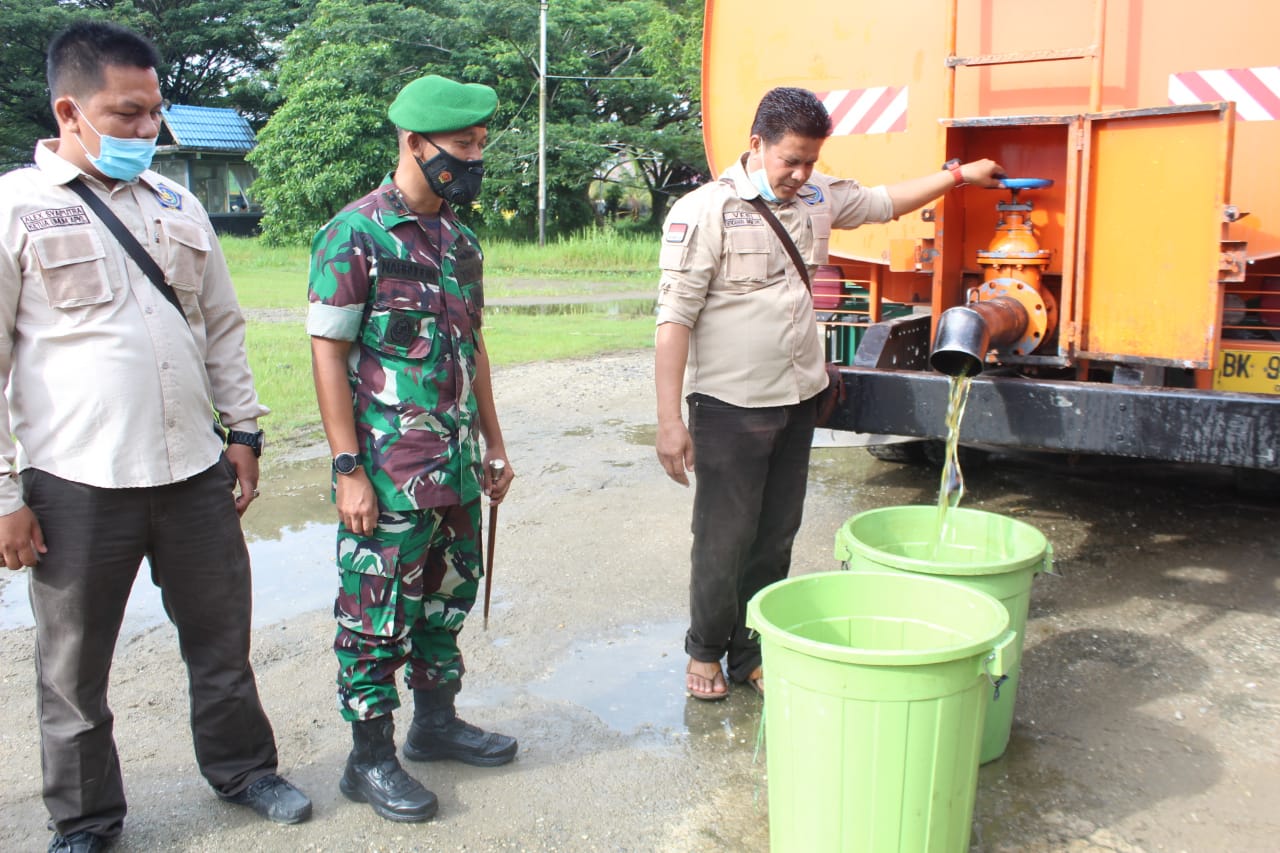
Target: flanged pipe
{"points": [[967, 332]]}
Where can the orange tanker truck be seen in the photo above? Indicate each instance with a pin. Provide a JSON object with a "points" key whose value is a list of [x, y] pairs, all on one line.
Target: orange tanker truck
{"points": [[1121, 295]]}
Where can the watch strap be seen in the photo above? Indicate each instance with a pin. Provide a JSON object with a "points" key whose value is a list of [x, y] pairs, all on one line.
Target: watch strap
{"points": [[252, 440]]}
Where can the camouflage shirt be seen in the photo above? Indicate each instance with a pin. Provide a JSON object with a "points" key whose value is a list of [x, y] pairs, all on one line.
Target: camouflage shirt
{"points": [[406, 290]]}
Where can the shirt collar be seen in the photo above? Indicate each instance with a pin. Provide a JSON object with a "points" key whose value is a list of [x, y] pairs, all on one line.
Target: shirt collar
{"points": [[742, 185], [390, 208], [737, 175]]}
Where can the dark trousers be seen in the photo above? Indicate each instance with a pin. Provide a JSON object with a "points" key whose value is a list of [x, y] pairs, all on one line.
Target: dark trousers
{"points": [[190, 534], [751, 467]]}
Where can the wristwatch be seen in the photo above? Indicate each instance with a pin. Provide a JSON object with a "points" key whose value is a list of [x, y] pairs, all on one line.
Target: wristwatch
{"points": [[345, 463], [254, 440]]}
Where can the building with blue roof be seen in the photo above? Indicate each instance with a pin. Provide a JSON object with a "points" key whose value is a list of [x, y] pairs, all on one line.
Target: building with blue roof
{"points": [[204, 149]]}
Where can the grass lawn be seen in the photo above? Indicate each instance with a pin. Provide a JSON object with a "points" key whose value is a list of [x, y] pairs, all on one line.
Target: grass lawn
{"points": [[279, 352]]}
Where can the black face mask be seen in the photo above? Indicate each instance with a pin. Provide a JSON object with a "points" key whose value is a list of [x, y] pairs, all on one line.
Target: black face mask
{"points": [[455, 180]]}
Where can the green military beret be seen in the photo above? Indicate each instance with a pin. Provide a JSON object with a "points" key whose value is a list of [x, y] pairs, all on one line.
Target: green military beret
{"points": [[435, 104]]}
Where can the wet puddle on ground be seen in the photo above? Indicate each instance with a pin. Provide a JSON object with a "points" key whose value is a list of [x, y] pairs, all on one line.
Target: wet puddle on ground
{"points": [[634, 684], [290, 533], [607, 677]]}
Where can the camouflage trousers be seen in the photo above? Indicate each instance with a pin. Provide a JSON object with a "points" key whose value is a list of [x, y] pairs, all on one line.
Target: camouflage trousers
{"points": [[405, 591]]}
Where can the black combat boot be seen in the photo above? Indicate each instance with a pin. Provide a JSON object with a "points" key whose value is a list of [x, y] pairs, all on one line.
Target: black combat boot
{"points": [[374, 775], [437, 732]]}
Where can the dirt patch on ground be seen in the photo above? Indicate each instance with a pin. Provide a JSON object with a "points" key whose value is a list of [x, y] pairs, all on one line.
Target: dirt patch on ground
{"points": [[1145, 720]]}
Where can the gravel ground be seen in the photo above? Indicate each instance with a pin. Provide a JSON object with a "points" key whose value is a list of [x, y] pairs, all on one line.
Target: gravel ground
{"points": [[1146, 719]]}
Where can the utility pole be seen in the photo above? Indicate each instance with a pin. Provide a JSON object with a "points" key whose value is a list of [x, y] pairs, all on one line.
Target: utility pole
{"points": [[542, 123]]}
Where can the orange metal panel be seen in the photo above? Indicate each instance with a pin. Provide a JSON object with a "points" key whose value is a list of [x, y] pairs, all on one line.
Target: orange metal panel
{"points": [[1155, 186], [749, 48]]}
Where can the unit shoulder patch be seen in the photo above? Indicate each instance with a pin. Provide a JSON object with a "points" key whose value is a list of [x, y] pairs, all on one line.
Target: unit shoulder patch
{"points": [[60, 217]]}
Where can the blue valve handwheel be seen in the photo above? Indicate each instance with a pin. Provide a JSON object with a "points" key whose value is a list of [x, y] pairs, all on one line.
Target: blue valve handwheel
{"points": [[1024, 183]]}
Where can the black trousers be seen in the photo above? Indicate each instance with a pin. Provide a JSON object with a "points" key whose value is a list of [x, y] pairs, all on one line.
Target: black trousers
{"points": [[190, 534], [751, 467]]}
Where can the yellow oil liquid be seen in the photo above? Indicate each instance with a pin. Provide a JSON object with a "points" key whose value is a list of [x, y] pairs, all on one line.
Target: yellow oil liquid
{"points": [[951, 489]]}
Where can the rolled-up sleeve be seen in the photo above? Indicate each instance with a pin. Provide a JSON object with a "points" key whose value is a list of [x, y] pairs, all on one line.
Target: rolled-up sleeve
{"points": [[689, 258], [338, 284]]}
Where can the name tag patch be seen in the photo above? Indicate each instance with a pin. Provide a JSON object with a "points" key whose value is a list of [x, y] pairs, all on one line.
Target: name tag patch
{"points": [[739, 218], [677, 232], [61, 217]]}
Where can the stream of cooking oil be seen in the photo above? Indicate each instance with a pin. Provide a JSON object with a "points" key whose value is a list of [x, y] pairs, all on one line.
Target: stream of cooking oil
{"points": [[951, 489]]}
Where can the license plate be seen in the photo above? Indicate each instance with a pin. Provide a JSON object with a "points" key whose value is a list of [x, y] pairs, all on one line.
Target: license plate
{"points": [[1252, 370]]}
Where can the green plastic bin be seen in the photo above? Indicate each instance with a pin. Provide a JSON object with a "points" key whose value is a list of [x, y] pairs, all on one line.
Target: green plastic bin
{"points": [[984, 551], [876, 684]]}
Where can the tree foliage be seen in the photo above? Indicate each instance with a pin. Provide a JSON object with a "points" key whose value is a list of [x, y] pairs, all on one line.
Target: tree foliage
{"points": [[623, 100], [213, 53], [617, 111]]}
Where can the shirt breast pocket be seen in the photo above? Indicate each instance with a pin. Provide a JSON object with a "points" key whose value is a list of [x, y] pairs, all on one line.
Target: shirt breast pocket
{"points": [[747, 264], [73, 268], [186, 252], [405, 318]]}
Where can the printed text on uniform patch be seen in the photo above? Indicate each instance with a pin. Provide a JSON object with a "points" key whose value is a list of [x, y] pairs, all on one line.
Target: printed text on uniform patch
{"points": [[59, 218], [737, 218]]}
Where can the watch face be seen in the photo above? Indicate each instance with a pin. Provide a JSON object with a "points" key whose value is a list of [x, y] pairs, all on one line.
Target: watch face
{"points": [[345, 463]]}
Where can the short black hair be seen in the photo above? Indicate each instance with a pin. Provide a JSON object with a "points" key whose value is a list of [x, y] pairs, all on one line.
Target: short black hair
{"points": [[79, 53], [790, 110]]}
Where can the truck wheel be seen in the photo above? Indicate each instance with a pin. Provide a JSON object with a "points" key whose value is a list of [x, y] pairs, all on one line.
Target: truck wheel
{"points": [[904, 452], [1256, 483]]}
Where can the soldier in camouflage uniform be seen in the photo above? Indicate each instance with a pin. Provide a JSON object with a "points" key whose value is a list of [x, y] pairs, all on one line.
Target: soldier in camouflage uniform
{"points": [[402, 380]]}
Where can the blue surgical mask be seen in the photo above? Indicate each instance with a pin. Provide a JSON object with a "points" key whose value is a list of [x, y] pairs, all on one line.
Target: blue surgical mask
{"points": [[122, 159], [761, 182]]}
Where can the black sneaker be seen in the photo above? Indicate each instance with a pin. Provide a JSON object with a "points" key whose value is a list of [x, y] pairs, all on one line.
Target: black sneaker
{"points": [[78, 842], [274, 798]]}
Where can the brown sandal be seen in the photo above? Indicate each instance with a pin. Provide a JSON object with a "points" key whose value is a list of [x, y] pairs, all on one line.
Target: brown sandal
{"points": [[756, 680], [712, 695]]}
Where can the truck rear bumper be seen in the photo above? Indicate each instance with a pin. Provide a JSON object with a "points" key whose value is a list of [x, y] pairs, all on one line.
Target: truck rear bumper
{"points": [[1170, 424]]}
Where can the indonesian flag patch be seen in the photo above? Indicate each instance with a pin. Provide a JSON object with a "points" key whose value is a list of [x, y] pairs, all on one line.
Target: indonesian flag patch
{"points": [[677, 232]]}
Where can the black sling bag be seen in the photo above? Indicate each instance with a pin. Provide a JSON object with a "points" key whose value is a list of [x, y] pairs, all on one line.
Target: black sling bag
{"points": [[834, 394]]}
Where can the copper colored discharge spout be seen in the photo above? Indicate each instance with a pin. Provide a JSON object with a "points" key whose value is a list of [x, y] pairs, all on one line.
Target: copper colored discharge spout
{"points": [[967, 332]]}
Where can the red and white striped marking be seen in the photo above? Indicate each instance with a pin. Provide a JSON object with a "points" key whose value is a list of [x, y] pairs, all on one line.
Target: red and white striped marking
{"points": [[879, 109], [1256, 91]]}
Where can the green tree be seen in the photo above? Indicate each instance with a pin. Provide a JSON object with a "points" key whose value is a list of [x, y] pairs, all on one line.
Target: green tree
{"points": [[213, 53], [330, 141], [25, 29], [606, 104]]}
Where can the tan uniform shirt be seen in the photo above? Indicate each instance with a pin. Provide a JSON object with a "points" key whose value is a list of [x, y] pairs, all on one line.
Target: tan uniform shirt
{"points": [[727, 276], [105, 384]]}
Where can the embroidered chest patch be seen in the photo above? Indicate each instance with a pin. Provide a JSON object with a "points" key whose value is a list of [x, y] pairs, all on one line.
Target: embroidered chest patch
{"points": [[739, 218], [58, 218], [168, 198]]}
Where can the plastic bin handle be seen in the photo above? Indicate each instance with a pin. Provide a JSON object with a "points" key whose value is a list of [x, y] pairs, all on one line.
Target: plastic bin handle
{"points": [[1002, 658], [1047, 566]]}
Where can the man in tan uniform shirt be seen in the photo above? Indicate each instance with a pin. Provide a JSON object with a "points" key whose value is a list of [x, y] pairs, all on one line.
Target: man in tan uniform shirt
{"points": [[736, 331], [111, 391]]}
